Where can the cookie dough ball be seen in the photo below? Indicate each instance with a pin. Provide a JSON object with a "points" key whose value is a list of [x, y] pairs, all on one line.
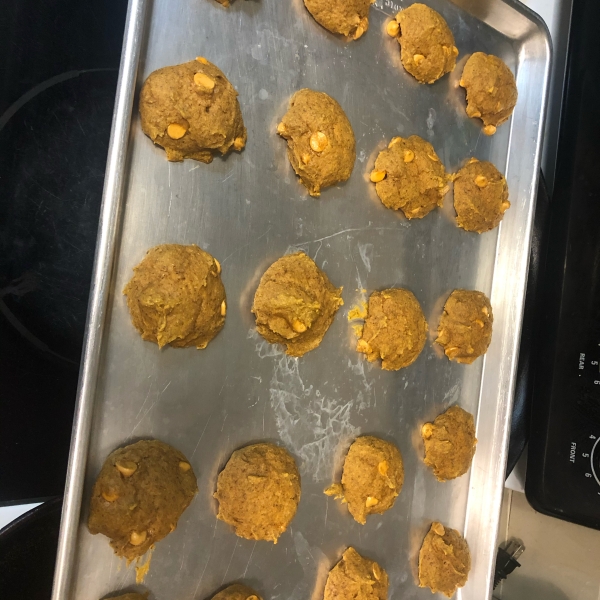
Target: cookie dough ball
{"points": [[258, 491], [176, 296], [450, 443], [395, 329], [237, 591], [491, 90], [295, 304], [465, 329], [356, 578], [444, 560], [141, 492], [192, 111], [427, 47], [480, 196], [409, 176], [321, 145], [348, 17], [372, 478]]}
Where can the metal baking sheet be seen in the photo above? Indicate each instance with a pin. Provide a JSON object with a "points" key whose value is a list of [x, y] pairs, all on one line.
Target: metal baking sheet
{"points": [[249, 209]]}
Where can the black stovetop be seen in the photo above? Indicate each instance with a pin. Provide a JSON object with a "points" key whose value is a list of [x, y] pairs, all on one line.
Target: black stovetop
{"points": [[58, 75], [563, 472]]}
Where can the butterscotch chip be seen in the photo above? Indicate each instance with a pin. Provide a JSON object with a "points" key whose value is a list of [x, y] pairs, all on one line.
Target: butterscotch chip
{"points": [[110, 495], [176, 131], [480, 196], [347, 17], [427, 45], [192, 111], [259, 491], [321, 145], [395, 329], [176, 296], [377, 176], [137, 538], [204, 81], [491, 90], [465, 329], [392, 28], [450, 443], [149, 501], [126, 467], [372, 478], [295, 303], [356, 578], [410, 177], [444, 560], [237, 591]]}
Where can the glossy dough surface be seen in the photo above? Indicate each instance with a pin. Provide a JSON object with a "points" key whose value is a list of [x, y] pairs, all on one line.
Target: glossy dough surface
{"points": [[192, 111], [321, 145], [444, 560], [347, 17], [139, 495], [427, 45], [295, 303], [356, 578], [491, 90], [176, 296], [372, 478], [409, 176], [259, 491], [395, 329], [465, 329], [450, 443], [480, 196]]}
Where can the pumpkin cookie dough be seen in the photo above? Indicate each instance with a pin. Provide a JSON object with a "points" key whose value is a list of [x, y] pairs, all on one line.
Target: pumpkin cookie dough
{"points": [[409, 176], [176, 296], [237, 591], [450, 443], [192, 111], [321, 145], [480, 196], [465, 329], [141, 492], [372, 478], [427, 48], [295, 304], [444, 560], [258, 491], [349, 17], [395, 329], [356, 578], [491, 90]]}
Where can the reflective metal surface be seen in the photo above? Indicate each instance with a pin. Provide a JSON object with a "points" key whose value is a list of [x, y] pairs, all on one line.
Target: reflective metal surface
{"points": [[249, 209]]}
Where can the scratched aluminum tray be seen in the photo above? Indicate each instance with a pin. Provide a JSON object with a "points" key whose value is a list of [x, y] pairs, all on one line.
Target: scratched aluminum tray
{"points": [[249, 209]]}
